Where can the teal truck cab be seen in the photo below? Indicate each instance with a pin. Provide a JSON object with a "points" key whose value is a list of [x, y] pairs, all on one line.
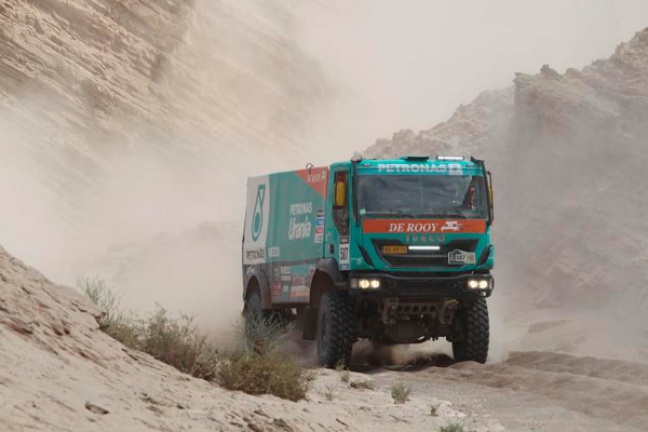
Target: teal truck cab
{"points": [[395, 251]]}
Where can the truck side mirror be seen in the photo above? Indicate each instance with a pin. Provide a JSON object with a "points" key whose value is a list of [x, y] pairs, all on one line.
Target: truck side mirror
{"points": [[340, 194]]}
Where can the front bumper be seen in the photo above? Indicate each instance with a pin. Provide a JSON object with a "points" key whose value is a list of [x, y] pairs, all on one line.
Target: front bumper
{"points": [[423, 285]]}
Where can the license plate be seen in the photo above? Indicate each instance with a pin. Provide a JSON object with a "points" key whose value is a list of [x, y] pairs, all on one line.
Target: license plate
{"points": [[394, 250]]}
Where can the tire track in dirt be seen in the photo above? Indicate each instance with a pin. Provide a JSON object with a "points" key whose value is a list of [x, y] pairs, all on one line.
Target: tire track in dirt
{"points": [[608, 390]]}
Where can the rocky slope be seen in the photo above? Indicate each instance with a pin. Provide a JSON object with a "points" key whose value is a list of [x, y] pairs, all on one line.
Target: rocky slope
{"points": [[567, 153], [135, 117], [108, 72]]}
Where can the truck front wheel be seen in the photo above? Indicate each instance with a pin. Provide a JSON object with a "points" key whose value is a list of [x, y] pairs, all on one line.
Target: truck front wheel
{"points": [[471, 342], [335, 329]]}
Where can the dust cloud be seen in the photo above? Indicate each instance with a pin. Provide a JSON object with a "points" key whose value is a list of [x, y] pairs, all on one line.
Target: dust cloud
{"points": [[155, 209], [154, 203]]}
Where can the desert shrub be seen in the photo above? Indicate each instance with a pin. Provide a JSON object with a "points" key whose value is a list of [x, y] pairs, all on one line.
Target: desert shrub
{"points": [[256, 367], [261, 334], [400, 393], [270, 372], [177, 342], [114, 321], [362, 384], [452, 427], [172, 340]]}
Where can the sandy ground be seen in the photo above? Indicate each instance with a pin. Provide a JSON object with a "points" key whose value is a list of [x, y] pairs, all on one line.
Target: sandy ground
{"points": [[61, 373]]}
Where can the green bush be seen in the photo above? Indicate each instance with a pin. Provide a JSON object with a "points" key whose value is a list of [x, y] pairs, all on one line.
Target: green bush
{"points": [[174, 341], [257, 367], [452, 427], [400, 393], [270, 372]]}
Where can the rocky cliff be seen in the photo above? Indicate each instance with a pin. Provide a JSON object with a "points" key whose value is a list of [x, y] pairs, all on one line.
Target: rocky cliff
{"points": [[568, 152]]}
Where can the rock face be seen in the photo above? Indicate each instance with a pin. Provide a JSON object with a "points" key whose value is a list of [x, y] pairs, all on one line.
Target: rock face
{"points": [[178, 76], [568, 153]]}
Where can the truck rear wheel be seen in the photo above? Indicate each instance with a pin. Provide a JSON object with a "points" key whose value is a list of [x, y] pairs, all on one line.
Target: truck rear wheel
{"points": [[471, 344], [262, 325], [335, 329]]}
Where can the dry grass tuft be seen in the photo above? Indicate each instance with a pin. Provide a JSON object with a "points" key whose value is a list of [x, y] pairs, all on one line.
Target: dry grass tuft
{"points": [[172, 340], [362, 385], [271, 372], [400, 393], [258, 367], [452, 427]]}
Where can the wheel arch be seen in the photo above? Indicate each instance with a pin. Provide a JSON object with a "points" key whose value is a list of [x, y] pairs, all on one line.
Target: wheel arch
{"points": [[257, 280], [327, 278]]}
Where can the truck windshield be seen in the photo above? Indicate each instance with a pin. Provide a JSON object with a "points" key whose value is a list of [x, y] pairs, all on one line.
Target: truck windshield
{"points": [[422, 196]]}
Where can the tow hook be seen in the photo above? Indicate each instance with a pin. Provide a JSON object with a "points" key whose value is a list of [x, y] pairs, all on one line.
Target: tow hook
{"points": [[446, 313]]}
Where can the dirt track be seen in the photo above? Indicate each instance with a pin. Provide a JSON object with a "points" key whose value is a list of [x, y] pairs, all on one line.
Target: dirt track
{"points": [[538, 391]]}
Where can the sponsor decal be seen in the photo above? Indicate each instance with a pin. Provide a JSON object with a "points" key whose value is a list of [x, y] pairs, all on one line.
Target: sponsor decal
{"points": [[315, 178], [455, 169], [299, 226], [319, 227], [343, 254], [423, 226], [412, 168], [255, 254], [451, 226], [257, 218], [461, 257], [274, 252], [275, 289], [286, 274]]}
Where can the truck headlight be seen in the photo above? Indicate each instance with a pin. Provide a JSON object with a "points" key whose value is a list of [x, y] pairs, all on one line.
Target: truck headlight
{"points": [[481, 284], [365, 283]]}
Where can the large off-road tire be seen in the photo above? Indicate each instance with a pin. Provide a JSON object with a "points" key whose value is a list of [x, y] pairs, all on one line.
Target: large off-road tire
{"points": [[471, 342], [335, 329]]}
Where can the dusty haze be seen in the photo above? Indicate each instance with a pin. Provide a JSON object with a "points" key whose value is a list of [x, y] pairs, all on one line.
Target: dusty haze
{"points": [[128, 128], [134, 169]]}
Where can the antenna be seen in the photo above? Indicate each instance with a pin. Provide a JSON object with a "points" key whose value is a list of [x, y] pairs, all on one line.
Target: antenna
{"points": [[309, 167]]}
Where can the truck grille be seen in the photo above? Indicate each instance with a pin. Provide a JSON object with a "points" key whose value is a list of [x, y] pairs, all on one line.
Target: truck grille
{"points": [[419, 259]]}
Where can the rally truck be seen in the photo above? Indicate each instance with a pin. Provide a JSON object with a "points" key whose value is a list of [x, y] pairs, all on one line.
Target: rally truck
{"points": [[394, 251]]}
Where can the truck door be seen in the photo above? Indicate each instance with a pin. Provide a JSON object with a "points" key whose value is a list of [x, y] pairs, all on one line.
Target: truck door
{"points": [[337, 234]]}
